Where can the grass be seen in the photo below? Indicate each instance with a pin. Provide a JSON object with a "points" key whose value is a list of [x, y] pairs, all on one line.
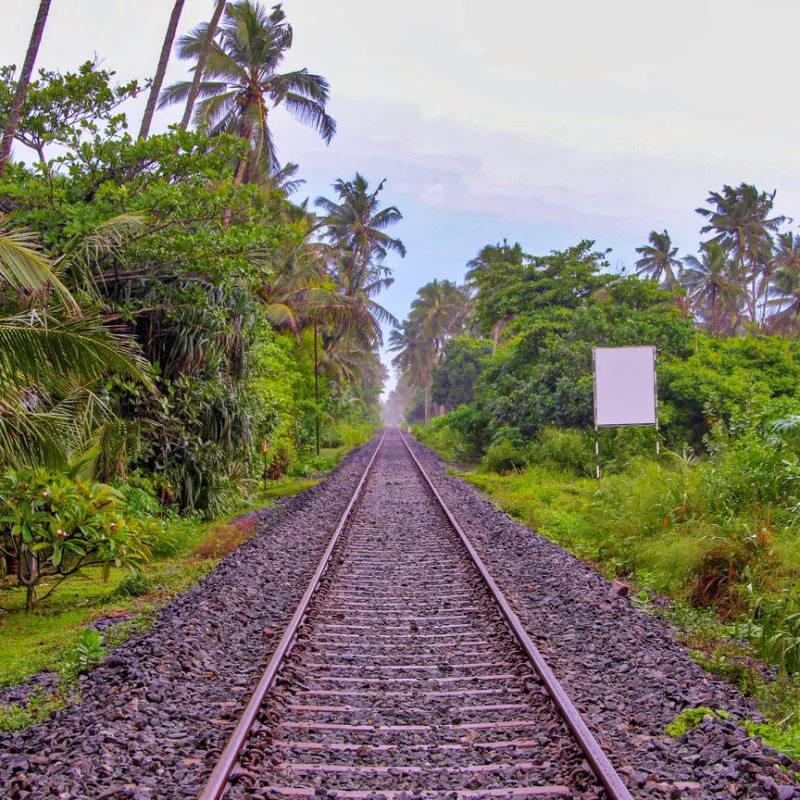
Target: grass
{"points": [[31, 643], [549, 502]]}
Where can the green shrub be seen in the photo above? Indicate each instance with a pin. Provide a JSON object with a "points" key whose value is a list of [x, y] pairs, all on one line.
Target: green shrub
{"points": [[134, 584], [52, 527], [566, 449], [439, 435], [470, 427], [503, 457], [140, 501]]}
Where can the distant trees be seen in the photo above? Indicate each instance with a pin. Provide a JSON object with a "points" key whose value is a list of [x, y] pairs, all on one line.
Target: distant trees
{"points": [[441, 311], [744, 275], [741, 219], [708, 282], [659, 259]]}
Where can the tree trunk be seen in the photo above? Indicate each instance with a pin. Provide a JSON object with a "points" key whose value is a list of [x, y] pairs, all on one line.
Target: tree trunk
{"points": [[30, 598], [316, 388], [246, 133], [201, 63], [158, 81], [426, 404], [22, 87], [495, 337]]}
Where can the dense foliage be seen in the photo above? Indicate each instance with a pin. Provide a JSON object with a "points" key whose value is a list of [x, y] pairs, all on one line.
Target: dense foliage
{"points": [[166, 310]]}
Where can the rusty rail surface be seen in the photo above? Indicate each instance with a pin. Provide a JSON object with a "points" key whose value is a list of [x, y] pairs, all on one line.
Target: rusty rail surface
{"points": [[594, 753], [217, 783], [218, 780]]}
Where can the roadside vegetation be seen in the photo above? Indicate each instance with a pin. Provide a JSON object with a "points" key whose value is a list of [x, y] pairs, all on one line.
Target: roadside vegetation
{"points": [[182, 338], [709, 534]]}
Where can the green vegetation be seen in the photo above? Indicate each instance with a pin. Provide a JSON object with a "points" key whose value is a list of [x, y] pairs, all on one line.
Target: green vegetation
{"points": [[174, 330], [56, 637], [714, 524], [691, 718]]}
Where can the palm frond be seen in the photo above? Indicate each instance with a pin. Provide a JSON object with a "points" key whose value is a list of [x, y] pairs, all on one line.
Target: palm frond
{"points": [[311, 113], [24, 266], [36, 350]]}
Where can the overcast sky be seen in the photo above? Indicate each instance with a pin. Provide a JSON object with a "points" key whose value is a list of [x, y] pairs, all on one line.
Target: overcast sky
{"points": [[537, 121]]}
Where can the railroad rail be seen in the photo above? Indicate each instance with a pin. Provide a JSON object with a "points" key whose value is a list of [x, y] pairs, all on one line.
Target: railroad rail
{"points": [[405, 673]]}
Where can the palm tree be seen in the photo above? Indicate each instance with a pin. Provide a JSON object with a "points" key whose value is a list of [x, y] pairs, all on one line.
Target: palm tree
{"points": [[161, 70], [241, 82], [489, 273], [436, 309], [786, 283], [741, 219], [659, 259], [22, 86], [301, 294], [415, 357], [356, 226], [210, 31], [709, 282]]}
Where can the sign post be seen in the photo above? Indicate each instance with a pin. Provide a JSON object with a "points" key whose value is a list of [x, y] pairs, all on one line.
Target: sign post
{"points": [[625, 391], [264, 450]]}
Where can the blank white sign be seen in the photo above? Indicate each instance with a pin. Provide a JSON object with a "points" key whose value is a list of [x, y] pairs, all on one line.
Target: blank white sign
{"points": [[624, 386]]}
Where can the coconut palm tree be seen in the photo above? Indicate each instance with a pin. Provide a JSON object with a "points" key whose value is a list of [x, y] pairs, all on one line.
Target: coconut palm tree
{"points": [[710, 285], [436, 309], [194, 91], [356, 225], [241, 83], [740, 218], [22, 85], [415, 357], [659, 259], [161, 69], [301, 294], [785, 289]]}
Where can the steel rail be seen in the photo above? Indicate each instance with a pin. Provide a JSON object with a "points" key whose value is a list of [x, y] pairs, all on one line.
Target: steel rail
{"points": [[218, 780], [598, 760]]}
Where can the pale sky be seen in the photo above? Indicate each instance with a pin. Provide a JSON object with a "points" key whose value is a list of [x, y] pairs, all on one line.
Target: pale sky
{"points": [[537, 121]]}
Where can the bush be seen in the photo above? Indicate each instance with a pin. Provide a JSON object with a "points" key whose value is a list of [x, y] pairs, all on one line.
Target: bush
{"points": [[471, 428], [134, 584], [565, 449], [52, 527], [503, 457]]}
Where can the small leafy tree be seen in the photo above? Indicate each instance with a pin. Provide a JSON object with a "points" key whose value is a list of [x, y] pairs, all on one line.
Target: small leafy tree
{"points": [[51, 527]]}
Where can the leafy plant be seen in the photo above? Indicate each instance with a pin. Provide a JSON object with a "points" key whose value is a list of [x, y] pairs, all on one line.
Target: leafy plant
{"points": [[53, 527], [691, 718], [89, 650]]}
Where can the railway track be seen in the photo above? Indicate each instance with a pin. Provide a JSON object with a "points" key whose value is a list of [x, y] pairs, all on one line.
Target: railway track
{"points": [[405, 674]]}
